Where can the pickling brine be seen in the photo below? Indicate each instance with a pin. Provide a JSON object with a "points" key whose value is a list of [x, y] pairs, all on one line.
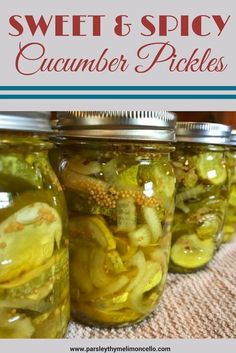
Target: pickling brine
{"points": [[201, 198], [230, 220], [34, 283], [121, 202]]}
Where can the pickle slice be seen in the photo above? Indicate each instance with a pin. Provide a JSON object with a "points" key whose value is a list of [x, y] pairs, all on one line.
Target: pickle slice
{"points": [[15, 325], [104, 316], [114, 262], [92, 229], [52, 324], [209, 227], [125, 248], [26, 198], [153, 222], [210, 167], [115, 285], [190, 252], [161, 175], [110, 173], [97, 269], [21, 170], [27, 239], [27, 277], [128, 177], [141, 236], [26, 304], [139, 262], [151, 278], [85, 167], [79, 269], [126, 215], [38, 277]]}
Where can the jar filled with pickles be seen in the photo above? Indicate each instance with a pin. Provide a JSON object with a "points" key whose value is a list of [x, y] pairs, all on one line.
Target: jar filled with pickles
{"points": [[201, 194], [230, 221], [119, 184], [34, 283]]}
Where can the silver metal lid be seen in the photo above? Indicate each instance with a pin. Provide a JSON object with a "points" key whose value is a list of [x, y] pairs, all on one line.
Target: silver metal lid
{"points": [[25, 121], [118, 125], [211, 133], [233, 138]]}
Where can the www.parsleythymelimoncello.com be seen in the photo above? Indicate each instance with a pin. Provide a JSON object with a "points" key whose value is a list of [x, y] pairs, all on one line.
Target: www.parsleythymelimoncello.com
{"points": [[114, 349]]}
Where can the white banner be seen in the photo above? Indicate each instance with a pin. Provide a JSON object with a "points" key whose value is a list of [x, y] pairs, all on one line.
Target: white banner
{"points": [[118, 346]]}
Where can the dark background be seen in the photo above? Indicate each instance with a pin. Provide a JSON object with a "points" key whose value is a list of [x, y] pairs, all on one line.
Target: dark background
{"points": [[228, 118]]}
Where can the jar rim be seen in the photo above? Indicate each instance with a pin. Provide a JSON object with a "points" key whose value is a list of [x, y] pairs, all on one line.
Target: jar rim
{"points": [[38, 121], [117, 125], [203, 132]]}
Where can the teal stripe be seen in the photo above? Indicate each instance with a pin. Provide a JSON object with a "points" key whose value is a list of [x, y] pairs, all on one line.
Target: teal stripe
{"points": [[119, 96], [118, 88]]}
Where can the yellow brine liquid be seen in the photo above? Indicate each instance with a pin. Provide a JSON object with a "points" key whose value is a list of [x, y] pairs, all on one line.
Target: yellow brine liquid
{"points": [[34, 293]]}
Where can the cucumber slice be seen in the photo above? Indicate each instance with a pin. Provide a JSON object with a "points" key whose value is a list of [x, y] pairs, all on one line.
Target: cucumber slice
{"points": [[153, 223], [103, 316], [38, 306], [15, 326], [209, 227], [128, 177], [19, 286], [116, 302], [182, 206], [191, 253], [211, 167], [141, 236], [110, 173], [26, 198], [114, 286], [97, 268], [20, 172], [190, 193], [92, 229], [126, 215], [161, 175], [31, 291], [114, 263], [79, 270], [139, 262], [52, 324], [152, 277], [190, 178], [125, 248], [85, 167], [27, 239], [160, 257], [120, 299]]}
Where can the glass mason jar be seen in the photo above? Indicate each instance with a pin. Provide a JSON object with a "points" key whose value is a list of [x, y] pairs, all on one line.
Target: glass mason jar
{"points": [[34, 268], [230, 221], [201, 194], [120, 185]]}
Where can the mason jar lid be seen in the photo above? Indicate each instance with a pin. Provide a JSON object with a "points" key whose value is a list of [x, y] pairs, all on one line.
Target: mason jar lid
{"points": [[233, 138], [118, 125], [25, 121], [211, 133]]}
